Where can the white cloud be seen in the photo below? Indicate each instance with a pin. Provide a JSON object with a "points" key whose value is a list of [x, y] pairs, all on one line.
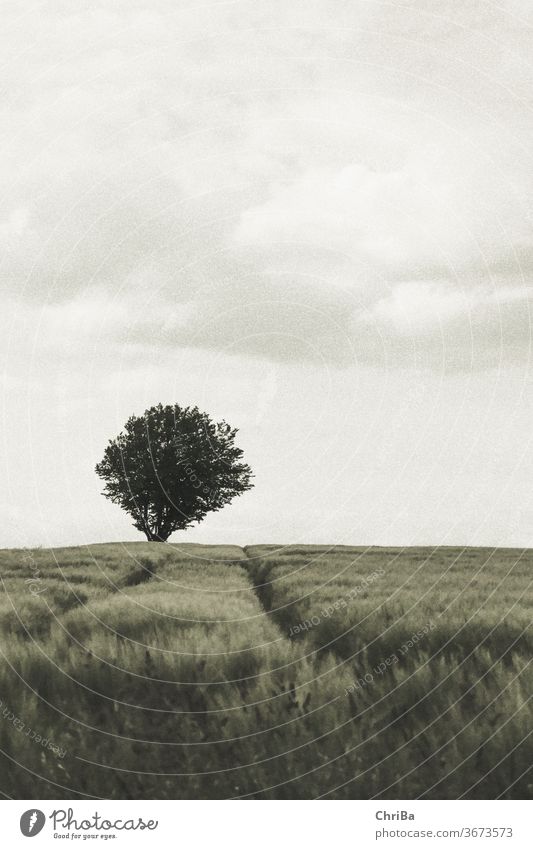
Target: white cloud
{"points": [[417, 308], [241, 150], [445, 206], [13, 228], [420, 307]]}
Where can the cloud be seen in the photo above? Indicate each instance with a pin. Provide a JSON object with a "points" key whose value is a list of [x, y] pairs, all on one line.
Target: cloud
{"points": [[418, 308], [254, 178], [271, 209], [445, 206]]}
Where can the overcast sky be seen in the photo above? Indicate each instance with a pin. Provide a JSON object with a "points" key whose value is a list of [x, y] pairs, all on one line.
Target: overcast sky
{"points": [[312, 218]]}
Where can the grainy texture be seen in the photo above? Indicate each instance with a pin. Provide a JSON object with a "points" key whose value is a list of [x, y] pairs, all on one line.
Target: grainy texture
{"points": [[153, 671]]}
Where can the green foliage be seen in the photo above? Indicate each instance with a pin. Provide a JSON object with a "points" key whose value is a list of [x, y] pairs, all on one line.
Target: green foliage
{"points": [[172, 466]]}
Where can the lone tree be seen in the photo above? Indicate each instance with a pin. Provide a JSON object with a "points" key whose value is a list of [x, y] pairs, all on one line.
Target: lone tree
{"points": [[172, 466]]}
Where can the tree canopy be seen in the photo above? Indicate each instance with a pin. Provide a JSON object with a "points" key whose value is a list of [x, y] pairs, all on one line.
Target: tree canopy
{"points": [[172, 466]]}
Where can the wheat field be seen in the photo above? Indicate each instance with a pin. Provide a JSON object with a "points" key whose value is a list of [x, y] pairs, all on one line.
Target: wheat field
{"points": [[144, 670]]}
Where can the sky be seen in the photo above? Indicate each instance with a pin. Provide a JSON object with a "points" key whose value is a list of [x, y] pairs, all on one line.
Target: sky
{"points": [[312, 219]]}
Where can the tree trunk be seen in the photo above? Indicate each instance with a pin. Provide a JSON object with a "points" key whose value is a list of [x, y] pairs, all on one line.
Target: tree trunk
{"points": [[153, 536]]}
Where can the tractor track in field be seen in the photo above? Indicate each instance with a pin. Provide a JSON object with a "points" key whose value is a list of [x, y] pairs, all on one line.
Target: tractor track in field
{"points": [[259, 571]]}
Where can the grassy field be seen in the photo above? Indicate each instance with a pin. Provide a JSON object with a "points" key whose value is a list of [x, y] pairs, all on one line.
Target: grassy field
{"points": [[143, 670]]}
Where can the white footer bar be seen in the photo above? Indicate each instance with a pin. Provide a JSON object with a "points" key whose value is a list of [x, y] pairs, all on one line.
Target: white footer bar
{"points": [[269, 824]]}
